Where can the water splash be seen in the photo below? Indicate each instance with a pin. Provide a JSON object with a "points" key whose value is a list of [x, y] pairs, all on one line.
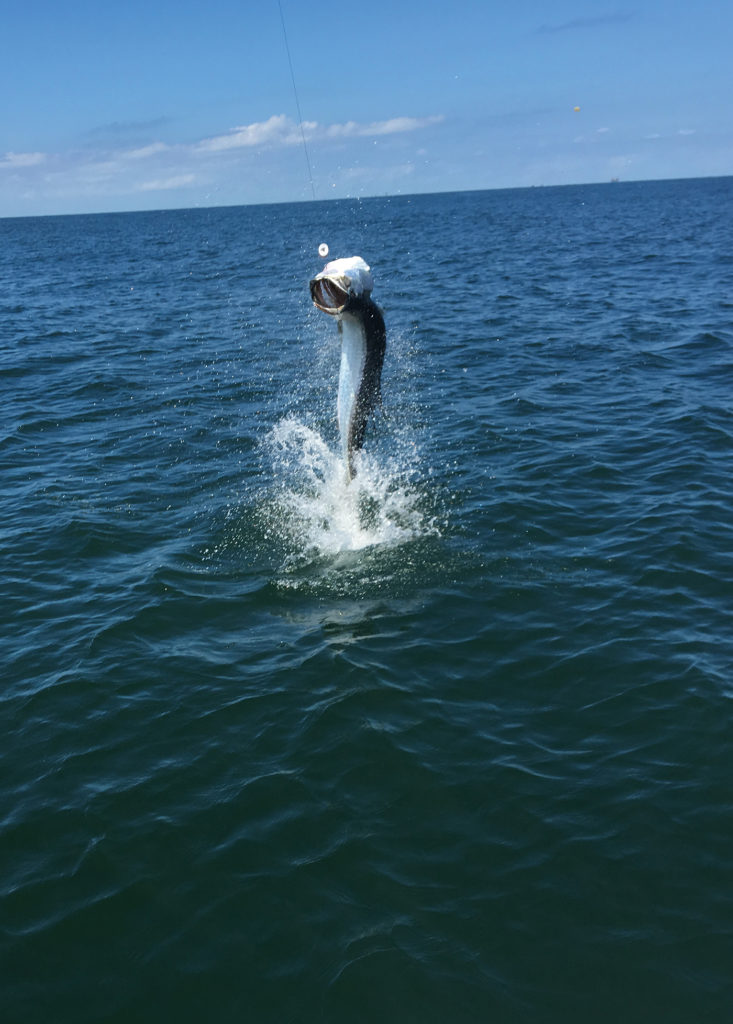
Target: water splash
{"points": [[317, 511]]}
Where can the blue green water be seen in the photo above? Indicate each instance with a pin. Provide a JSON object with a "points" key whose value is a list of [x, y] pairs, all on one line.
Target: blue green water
{"points": [[450, 744]]}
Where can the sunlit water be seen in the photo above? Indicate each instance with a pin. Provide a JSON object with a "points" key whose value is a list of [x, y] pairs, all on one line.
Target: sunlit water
{"points": [[448, 742]]}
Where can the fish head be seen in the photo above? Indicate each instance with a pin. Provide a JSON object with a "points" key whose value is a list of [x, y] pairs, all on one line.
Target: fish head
{"points": [[339, 283]]}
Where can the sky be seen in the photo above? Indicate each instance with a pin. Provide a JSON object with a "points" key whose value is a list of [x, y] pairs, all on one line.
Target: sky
{"points": [[156, 104]]}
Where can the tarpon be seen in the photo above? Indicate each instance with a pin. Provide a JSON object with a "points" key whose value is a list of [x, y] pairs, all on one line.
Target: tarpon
{"points": [[343, 289]]}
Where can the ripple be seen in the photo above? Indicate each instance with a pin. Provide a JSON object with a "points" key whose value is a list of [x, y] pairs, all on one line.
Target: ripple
{"points": [[449, 743]]}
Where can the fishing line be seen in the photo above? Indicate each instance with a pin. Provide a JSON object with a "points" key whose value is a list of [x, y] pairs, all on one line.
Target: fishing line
{"points": [[297, 101]]}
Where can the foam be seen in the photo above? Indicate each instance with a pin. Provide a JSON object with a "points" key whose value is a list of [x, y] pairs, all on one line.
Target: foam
{"points": [[320, 512]]}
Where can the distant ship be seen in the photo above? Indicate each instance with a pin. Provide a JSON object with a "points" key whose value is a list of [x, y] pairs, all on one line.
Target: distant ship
{"points": [[614, 179]]}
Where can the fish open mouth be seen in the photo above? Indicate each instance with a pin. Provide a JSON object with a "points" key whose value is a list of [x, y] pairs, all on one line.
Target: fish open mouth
{"points": [[329, 294]]}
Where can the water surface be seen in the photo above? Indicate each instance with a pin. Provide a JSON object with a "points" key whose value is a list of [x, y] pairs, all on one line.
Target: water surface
{"points": [[451, 744]]}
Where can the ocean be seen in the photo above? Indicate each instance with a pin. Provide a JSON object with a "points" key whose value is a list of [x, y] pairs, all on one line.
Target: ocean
{"points": [[451, 743]]}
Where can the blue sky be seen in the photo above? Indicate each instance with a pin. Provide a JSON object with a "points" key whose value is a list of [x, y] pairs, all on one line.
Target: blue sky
{"points": [[155, 104]]}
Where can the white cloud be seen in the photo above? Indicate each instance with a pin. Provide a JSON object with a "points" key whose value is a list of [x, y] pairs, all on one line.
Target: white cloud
{"points": [[145, 151], [22, 159], [165, 184], [277, 129], [280, 130], [390, 127], [402, 124], [680, 131], [371, 174]]}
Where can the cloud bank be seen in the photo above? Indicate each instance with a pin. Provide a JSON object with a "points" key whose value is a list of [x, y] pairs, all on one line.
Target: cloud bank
{"points": [[250, 161]]}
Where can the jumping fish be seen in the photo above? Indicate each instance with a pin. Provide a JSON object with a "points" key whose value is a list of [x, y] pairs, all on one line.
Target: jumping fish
{"points": [[343, 289]]}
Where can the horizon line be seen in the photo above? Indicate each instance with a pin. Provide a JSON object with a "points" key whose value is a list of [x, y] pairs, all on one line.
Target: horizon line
{"points": [[349, 199]]}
